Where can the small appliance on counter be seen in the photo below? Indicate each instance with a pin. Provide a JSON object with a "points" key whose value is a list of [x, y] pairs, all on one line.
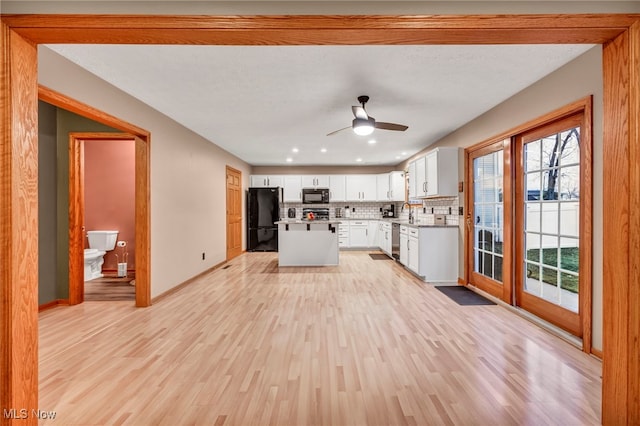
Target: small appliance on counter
{"points": [[315, 214], [291, 213], [389, 210], [347, 211], [439, 219], [338, 212]]}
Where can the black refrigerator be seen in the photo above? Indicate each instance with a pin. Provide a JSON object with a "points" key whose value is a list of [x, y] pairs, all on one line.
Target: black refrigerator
{"points": [[263, 209]]}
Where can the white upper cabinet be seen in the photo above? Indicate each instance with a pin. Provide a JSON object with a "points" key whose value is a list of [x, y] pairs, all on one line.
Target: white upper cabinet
{"points": [[337, 188], [435, 174], [421, 177], [315, 181], [383, 187], [361, 187], [442, 172], [391, 186], [264, 181], [292, 192], [397, 186], [412, 180]]}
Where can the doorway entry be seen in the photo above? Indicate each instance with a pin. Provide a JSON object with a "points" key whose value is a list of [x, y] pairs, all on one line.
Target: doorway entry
{"points": [[528, 225], [102, 184], [77, 230], [234, 213]]}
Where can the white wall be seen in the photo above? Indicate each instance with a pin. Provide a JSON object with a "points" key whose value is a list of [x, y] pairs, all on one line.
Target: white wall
{"points": [[577, 79], [188, 183]]}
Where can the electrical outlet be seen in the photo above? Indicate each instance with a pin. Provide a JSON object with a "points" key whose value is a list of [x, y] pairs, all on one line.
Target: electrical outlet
{"points": [[460, 211], [202, 256]]}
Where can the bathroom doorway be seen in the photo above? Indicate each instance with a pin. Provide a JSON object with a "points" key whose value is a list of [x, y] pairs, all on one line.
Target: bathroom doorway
{"points": [[109, 218], [103, 194]]}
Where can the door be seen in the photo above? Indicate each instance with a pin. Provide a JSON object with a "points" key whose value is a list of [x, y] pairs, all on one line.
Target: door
{"points": [[550, 219], [76, 215], [488, 227], [234, 213]]}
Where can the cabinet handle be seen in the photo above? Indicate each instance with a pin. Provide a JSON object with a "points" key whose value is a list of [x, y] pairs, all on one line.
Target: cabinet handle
{"points": [[424, 187]]}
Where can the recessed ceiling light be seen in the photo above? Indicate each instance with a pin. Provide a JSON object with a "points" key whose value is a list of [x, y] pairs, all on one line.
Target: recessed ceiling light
{"points": [[372, 141], [359, 160], [294, 150], [289, 159], [323, 150], [397, 157], [403, 153]]}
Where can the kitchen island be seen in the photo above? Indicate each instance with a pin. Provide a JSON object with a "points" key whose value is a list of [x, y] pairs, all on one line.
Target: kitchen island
{"points": [[308, 242]]}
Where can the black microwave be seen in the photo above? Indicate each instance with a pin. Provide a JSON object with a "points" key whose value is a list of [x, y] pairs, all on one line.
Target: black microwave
{"points": [[315, 195]]}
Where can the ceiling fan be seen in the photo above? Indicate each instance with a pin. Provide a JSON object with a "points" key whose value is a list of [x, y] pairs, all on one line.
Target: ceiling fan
{"points": [[364, 124]]}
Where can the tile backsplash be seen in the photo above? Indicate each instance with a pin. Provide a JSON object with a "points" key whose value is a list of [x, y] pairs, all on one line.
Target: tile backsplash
{"points": [[430, 207], [360, 210], [373, 210]]}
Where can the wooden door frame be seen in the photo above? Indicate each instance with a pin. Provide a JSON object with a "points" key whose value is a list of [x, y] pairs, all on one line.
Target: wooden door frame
{"points": [[619, 34], [76, 212], [504, 291], [233, 170], [578, 324]]}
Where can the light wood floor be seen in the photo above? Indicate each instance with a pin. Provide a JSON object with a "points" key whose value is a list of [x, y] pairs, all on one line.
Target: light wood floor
{"points": [[362, 343]]}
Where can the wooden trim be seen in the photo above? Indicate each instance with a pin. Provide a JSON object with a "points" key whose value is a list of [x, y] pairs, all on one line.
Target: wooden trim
{"points": [[572, 322], [182, 285], [321, 29], [502, 290], [596, 352], [18, 225], [585, 268], [621, 196], [143, 220], [76, 218], [76, 215], [62, 101], [462, 281], [618, 33], [53, 304]]}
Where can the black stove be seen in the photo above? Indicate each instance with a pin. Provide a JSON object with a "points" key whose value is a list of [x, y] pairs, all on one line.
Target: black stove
{"points": [[318, 213]]}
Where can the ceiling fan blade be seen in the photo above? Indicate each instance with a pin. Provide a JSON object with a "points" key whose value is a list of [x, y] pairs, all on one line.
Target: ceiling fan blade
{"points": [[359, 112], [391, 126], [339, 130]]}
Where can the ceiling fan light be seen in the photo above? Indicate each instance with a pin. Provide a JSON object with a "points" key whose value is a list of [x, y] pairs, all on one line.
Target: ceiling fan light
{"points": [[363, 127]]}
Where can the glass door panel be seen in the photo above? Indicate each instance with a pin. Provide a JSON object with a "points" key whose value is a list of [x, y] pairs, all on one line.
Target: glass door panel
{"points": [[549, 213], [485, 219]]}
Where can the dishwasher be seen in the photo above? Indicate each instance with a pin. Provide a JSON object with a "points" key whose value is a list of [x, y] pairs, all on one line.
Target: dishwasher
{"points": [[395, 241]]}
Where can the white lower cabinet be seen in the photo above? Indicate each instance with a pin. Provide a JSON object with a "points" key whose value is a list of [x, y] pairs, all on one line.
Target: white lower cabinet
{"points": [[413, 257], [374, 235], [404, 245], [343, 235], [430, 252], [359, 233], [384, 237]]}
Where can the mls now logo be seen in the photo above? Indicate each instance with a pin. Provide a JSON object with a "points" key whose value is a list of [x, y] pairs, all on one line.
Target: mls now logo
{"points": [[23, 413]]}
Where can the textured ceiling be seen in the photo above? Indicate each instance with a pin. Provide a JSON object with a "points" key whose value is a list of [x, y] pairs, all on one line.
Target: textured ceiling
{"points": [[261, 102]]}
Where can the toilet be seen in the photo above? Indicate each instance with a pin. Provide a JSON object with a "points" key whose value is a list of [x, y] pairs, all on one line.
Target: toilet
{"points": [[100, 242]]}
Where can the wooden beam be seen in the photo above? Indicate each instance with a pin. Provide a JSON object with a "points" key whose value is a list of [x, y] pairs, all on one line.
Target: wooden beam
{"points": [[621, 287], [321, 29], [18, 229]]}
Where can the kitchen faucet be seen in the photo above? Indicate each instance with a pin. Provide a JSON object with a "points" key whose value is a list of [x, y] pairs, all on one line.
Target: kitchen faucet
{"points": [[410, 211]]}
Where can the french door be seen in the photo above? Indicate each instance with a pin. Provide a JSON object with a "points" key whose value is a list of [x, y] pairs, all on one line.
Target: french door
{"points": [[488, 224], [528, 224], [553, 249]]}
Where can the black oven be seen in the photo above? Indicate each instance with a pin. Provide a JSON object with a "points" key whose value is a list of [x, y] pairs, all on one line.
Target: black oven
{"points": [[315, 195]]}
